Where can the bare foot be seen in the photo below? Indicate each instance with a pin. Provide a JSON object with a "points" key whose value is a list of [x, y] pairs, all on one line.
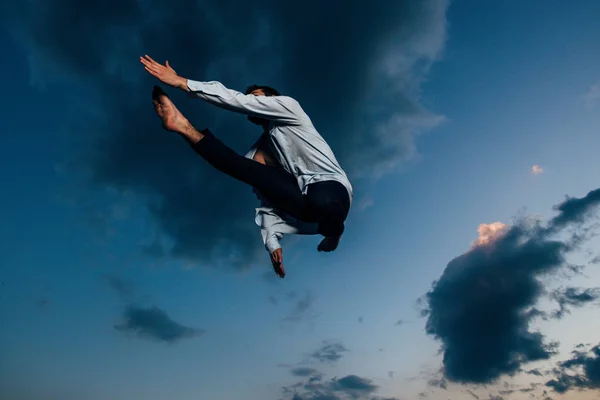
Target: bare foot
{"points": [[329, 244], [172, 119]]}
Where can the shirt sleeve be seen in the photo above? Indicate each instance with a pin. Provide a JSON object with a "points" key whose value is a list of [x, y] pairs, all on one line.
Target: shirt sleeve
{"points": [[274, 108], [274, 225]]}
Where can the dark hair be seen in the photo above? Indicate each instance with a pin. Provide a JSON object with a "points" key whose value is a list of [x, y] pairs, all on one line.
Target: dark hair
{"points": [[269, 91]]}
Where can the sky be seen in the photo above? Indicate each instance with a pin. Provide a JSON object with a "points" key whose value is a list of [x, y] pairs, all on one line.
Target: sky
{"points": [[469, 265]]}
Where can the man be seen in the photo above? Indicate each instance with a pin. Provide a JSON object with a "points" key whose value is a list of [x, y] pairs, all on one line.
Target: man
{"points": [[303, 190]]}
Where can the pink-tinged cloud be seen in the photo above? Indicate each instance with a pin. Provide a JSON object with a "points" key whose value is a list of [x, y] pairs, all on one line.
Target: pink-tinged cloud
{"points": [[536, 170], [488, 233]]}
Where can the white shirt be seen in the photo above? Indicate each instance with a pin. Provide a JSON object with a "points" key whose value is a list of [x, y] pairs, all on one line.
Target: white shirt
{"points": [[295, 142]]}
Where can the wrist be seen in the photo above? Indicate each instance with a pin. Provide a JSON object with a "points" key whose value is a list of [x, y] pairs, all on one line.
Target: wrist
{"points": [[183, 84]]}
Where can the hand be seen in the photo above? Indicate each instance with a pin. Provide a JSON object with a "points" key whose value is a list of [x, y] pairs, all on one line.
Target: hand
{"points": [[163, 73], [277, 261]]}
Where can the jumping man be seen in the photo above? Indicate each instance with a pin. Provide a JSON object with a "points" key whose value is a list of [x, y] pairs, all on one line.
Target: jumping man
{"points": [[302, 187]]}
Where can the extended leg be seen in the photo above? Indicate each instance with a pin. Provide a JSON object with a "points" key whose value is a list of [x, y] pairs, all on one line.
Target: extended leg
{"points": [[275, 184]]}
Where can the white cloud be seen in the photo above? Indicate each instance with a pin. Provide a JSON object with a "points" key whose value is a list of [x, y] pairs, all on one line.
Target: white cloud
{"points": [[536, 170], [592, 95], [366, 203]]}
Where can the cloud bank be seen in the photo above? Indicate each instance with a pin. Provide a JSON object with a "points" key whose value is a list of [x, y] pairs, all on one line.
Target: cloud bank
{"points": [[360, 87]]}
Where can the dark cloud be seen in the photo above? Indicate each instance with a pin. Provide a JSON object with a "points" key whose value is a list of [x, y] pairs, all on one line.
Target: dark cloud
{"points": [[573, 297], [534, 372], [345, 388], [580, 372], [154, 323], [575, 209], [359, 85], [482, 306], [303, 371], [595, 260], [361, 320], [399, 323], [329, 352]]}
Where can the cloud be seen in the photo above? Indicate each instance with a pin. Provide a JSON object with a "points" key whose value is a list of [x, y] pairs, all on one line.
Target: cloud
{"points": [[122, 287], [573, 297], [482, 306], [489, 233], [154, 323], [574, 210], [303, 371], [536, 170], [592, 96], [361, 320], [581, 371], [147, 322], [302, 309], [367, 107], [367, 202], [329, 352], [348, 387]]}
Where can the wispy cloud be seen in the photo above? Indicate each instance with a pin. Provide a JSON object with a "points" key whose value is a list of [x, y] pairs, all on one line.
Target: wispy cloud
{"points": [[329, 352], [122, 287], [592, 96], [302, 309], [481, 307], [573, 297]]}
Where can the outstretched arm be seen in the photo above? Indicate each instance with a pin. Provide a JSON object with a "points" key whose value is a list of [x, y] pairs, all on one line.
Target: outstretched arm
{"points": [[276, 108]]}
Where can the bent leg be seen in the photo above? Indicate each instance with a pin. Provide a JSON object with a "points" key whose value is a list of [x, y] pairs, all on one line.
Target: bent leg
{"points": [[280, 187]]}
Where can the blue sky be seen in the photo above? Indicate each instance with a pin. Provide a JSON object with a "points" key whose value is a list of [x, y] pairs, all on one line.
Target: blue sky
{"points": [[492, 90]]}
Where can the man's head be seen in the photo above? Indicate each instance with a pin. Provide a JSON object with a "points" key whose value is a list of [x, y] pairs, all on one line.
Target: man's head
{"points": [[260, 90]]}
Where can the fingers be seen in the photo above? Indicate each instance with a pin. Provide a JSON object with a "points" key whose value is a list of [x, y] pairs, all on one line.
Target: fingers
{"points": [[281, 271], [151, 64], [150, 59], [276, 260]]}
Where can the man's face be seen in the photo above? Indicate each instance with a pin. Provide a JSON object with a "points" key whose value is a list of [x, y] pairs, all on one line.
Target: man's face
{"points": [[255, 120]]}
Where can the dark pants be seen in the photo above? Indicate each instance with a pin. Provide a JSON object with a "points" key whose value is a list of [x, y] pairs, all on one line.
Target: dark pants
{"points": [[326, 203]]}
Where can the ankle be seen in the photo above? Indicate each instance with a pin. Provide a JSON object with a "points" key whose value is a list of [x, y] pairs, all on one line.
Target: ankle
{"points": [[190, 133]]}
